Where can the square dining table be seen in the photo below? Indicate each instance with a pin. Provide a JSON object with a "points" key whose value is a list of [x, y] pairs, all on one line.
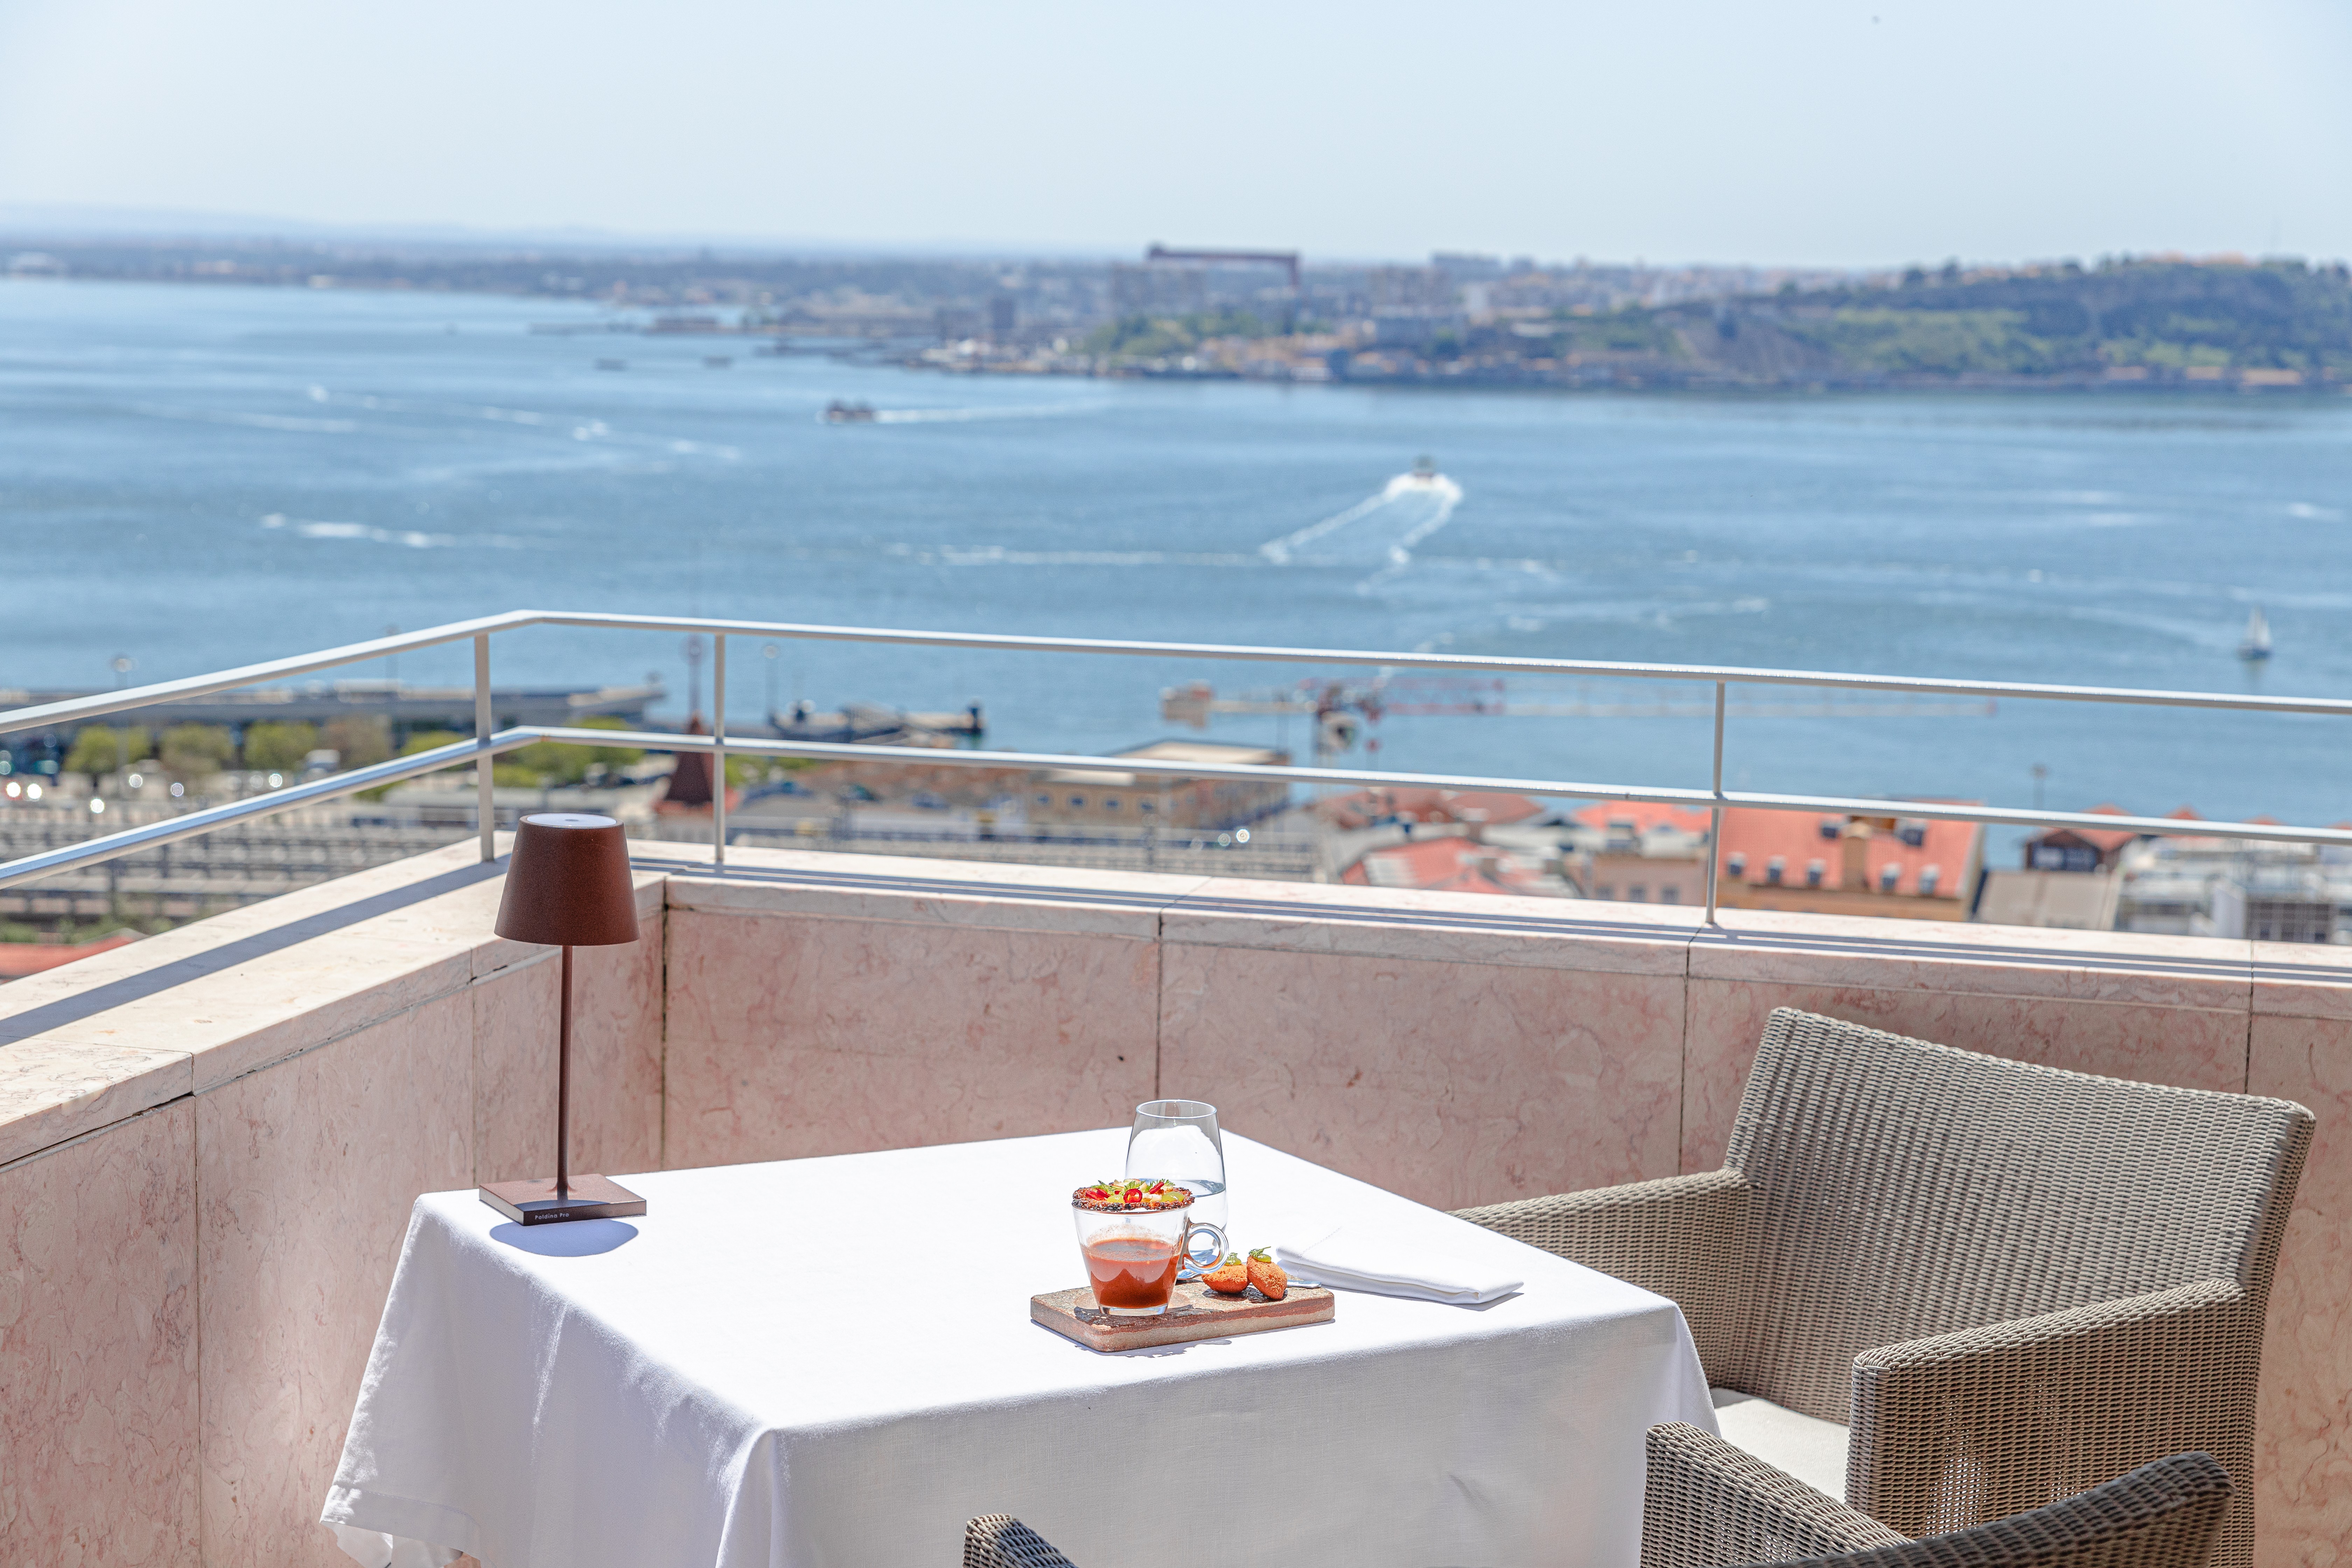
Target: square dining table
{"points": [[831, 1360]]}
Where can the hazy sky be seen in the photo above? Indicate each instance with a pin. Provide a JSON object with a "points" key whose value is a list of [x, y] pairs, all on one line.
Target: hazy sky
{"points": [[1811, 131]]}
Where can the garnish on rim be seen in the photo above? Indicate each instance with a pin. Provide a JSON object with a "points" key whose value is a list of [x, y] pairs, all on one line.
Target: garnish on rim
{"points": [[1132, 1194]]}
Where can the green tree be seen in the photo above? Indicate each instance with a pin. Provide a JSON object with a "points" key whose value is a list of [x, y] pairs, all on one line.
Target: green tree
{"points": [[431, 741], [610, 757], [98, 751], [192, 753], [278, 748], [542, 764], [420, 740], [1933, 341], [547, 764], [360, 739], [1157, 337]]}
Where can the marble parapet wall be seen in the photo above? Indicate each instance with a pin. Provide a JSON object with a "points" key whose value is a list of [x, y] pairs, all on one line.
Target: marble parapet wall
{"points": [[210, 1141]]}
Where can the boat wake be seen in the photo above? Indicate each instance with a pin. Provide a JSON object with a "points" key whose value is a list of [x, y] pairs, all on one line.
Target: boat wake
{"points": [[1380, 531], [576, 428], [1001, 555], [250, 421], [968, 416], [410, 538]]}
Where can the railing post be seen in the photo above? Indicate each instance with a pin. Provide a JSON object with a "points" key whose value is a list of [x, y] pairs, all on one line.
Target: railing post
{"points": [[485, 804], [1715, 815], [718, 756]]}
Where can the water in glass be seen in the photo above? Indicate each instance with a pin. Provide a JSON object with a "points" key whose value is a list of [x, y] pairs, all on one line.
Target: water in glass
{"points": [[1177, 1139]]}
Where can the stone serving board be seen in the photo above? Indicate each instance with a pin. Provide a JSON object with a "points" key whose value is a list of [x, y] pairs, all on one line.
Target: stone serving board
{"points": [[1194, 1312]]}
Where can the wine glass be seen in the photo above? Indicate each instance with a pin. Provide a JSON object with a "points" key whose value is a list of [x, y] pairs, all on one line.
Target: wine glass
{"points": [[1177, 1139]]}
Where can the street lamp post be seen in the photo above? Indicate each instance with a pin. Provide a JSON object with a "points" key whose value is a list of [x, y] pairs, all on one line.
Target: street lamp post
{"points": [[694, 651]]}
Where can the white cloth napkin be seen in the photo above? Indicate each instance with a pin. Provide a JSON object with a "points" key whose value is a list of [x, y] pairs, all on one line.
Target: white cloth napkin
{"points": [[1423, 1266]]}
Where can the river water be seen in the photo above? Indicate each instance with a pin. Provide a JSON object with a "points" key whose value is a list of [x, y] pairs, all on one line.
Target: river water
{"points": [[198, 477]]}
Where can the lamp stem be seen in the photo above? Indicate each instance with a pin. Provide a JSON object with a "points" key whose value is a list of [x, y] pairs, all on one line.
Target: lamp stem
{"points": [[563, 1084]]}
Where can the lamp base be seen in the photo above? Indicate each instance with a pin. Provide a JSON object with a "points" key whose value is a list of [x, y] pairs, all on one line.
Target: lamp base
{"points": [[584, 1197]]}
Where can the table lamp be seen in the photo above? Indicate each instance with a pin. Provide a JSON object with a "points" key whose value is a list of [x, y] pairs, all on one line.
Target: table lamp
{"points": [[567, 885]]}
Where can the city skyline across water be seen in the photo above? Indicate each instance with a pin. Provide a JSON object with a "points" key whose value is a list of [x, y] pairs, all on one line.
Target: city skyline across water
{"points": [[198, 478]]}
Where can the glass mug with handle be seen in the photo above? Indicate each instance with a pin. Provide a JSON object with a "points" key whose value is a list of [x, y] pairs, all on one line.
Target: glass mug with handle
{"points": [[1135, 1234], [1178, 1140]]}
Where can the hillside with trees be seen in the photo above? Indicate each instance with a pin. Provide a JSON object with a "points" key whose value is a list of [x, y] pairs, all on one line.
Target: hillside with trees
{"points": [[2158, 322], [2132, 321]]}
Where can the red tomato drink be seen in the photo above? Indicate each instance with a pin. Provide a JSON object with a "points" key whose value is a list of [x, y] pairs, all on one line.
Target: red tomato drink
{"points": [[1134, 1233], [1132, 1271]]}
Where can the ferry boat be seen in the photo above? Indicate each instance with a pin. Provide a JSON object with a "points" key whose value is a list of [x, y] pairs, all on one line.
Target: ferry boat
{"points": [[1424, 472], [2255, 646], [840, 413]]}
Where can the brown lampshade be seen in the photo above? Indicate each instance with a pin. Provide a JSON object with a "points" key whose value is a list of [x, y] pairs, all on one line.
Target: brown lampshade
{"points": [[568, 883]]}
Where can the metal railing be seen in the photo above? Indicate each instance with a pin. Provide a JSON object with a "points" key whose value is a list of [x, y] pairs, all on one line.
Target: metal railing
{"points": [[486, 744]]}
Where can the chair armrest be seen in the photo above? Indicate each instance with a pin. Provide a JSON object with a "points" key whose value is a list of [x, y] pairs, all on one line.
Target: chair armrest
{"points": [[1684, 1237], [1705, 1504], [1000, 1541], [1957, 1429]]}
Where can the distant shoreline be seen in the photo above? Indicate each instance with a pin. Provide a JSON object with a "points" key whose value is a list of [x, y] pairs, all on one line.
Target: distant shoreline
{"points": [[2159, 326], [1809, 386]]}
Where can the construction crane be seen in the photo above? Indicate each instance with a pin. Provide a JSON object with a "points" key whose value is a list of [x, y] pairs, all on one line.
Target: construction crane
{"points": [[1341, 707]]}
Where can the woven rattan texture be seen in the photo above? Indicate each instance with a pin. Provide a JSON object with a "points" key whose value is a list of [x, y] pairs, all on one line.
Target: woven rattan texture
{"points": [[2013, 1282], [1708, 1505], [1000, 1541], [1675, 1236], [1705, 1504]]}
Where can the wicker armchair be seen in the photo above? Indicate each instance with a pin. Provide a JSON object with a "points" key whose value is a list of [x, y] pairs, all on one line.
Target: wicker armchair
{"points": [[1709, 1505], [2012, 1283], [1000, 1541]]}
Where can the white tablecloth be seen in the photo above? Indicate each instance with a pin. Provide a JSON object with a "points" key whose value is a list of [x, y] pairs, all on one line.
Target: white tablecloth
{"points": [[831, 1362]]}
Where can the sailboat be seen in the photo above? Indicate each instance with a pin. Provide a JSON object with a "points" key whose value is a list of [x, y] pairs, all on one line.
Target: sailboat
{"points": [[2255, 646]]}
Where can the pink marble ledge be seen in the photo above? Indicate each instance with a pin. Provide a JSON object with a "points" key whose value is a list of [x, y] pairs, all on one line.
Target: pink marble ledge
{"points": [[933, 893], [800, 1101], [232, 1021], [52, 1090], [1009, 873], [224, 942], [284, 940], [2303, 980], [467, 917], [2309, 1061], [1451, 1083], [2303, 1455], [789, 1035], [219, 942], [1462, 928], [1938, 955], [293, 1280], [99, 1430], [2187, 1047], [2302, 1442]]}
